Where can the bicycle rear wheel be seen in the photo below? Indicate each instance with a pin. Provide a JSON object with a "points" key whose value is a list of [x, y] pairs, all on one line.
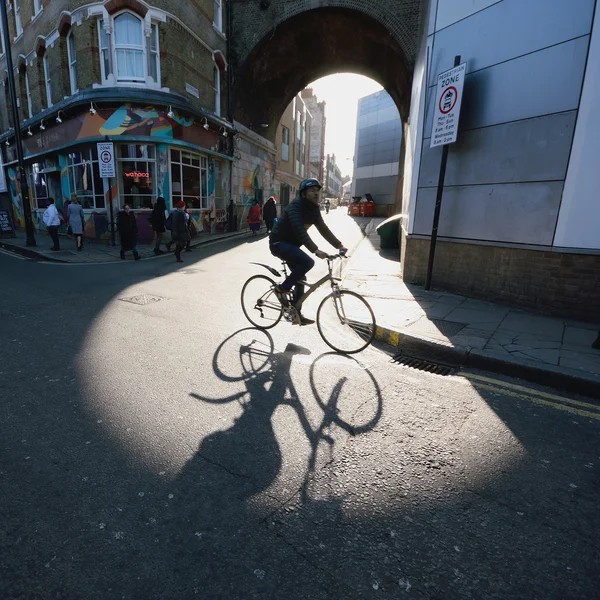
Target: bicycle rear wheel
{"points": [[259, 302], [346, 322]]}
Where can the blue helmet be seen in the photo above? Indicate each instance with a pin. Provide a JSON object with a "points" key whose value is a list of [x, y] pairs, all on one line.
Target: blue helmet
{"points": [[309, 183]]}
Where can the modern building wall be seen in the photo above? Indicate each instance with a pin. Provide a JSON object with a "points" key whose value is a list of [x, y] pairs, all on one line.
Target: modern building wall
{"points": [[521, 175], [377, 148]]}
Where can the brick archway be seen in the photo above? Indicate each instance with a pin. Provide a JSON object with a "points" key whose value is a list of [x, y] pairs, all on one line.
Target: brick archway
{"points": [[312, 43]]}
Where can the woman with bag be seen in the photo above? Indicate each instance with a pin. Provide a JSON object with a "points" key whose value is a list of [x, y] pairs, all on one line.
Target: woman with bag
{"points": [[76, 221], [254, 217]]}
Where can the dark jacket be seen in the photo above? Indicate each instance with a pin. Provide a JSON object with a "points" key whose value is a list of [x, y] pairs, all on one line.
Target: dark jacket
{"points": [[298, 216], [127, 226], [269, 211], [180, 232], [158, 218]]}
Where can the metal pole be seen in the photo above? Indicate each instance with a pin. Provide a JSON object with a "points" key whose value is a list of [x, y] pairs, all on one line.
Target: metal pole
{"points": [[29, 229], [438, 206], [112, 216]]}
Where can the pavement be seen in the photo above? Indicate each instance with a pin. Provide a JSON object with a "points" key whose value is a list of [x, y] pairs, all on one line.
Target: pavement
{"points": [[433, 325], [457, 330]]}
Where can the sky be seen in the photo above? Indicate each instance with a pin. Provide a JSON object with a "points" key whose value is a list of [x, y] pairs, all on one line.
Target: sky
{"points": [[342, 92]]}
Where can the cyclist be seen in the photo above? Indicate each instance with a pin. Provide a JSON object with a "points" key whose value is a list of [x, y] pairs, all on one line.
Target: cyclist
{"points": [[290, 232]]}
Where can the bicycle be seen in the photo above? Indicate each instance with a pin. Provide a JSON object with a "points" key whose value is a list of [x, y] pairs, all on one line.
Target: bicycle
{"points": [[345, 320]]}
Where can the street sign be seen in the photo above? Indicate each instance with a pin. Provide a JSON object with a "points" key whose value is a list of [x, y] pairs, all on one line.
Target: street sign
{"points": [[448, 99], [106, 159]]}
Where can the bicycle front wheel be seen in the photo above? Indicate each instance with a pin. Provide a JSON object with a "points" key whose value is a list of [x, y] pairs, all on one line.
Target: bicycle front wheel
{"points": [[259, 302], [346, 322]]}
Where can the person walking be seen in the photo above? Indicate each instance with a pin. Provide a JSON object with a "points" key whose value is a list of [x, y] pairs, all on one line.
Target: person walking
{"points": [[180, 234], [52, 220], [269, 213], [127, 227], [191, 229], [76, 221], [158, 220], [254, 217]]}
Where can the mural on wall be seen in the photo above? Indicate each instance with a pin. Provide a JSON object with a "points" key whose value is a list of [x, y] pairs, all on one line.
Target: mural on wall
{"points": [[14, 188]]}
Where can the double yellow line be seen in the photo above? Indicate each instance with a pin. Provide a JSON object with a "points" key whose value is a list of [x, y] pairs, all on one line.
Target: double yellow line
{"points": [[576, 407]]}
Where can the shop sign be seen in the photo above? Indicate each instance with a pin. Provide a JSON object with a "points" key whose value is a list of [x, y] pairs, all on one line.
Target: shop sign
{"points": [[138, 175]]}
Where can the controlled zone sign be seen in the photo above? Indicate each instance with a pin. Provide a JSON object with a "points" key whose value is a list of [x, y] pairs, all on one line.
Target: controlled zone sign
{"points": [[448, 98], [106, 159]]}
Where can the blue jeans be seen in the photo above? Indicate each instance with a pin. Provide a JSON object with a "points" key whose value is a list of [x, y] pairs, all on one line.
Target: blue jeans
{"points": [[299, 263]]}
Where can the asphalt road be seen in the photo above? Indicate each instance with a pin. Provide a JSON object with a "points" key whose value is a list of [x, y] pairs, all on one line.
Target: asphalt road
{"points": [[165, 450]]}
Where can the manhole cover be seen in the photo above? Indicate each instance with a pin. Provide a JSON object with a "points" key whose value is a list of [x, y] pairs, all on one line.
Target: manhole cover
{"points": [[422, 365], [142, 299], [437, 326]]}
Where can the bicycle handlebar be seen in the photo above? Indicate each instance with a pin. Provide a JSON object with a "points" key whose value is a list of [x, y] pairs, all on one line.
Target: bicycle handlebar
{"points": [[340, 255]]}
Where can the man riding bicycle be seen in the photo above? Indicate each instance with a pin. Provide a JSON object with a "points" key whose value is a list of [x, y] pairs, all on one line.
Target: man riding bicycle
{"points": [[290, 232]]}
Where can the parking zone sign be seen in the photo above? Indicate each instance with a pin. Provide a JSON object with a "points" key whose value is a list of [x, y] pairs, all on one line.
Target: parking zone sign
{"points": [[446, 111], [106, 159]]}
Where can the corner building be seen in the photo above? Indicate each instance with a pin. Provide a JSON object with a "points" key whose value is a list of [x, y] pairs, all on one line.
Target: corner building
{"points": [[149, 77]]}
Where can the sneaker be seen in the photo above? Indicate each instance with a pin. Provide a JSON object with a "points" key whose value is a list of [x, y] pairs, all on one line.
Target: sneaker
{"points": [[282, 295]]}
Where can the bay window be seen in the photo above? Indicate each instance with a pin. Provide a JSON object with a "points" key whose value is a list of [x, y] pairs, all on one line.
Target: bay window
{"points": [[137, 170], [72, 57], [84, 178], [18, 22], [218, 15], [48, 80], [129, 50], [189, 178]]}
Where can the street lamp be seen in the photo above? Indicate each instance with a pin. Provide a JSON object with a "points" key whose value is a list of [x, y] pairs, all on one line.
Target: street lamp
{"points": [[30, 239]]}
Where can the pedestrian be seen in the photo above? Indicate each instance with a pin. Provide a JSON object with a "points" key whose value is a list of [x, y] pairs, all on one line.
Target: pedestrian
{"points": [[127, 227], [254, 217], [180, 234], [158, 220], [269, 213], [52, 220], [190, 227], [76, 221]]}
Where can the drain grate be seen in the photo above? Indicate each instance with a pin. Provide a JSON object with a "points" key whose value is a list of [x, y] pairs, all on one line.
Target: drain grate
{"points": [[142, 300], [422, 365]]}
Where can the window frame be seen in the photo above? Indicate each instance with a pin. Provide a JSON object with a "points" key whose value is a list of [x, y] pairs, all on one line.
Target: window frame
{"points": [[103, 37], [88, 159], [154, 53], [203, 168], [18, 20], [47, 80], [28, 94], [218, 15], [217, 88], [72, 61], [285, 143], [152, 171], [38, 6], [116, 47]]}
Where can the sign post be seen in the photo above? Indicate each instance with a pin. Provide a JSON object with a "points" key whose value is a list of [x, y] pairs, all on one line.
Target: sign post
{"points": [[444, 130], [106, 163]]}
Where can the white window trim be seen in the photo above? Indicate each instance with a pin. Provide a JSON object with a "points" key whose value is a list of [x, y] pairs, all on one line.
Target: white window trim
{"points": [[147, 24], [72, 61], [38, 7], [218, 15], [137, 80], [217, 78], [47, 80], [204, 172], [28, 92], [18, 21]]}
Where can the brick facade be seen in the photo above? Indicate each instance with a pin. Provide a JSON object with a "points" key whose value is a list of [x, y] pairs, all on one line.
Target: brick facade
{"points": [[556, 283]]}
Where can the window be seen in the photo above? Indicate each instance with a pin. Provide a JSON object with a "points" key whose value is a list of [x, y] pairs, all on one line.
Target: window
{"points": [[37, 6], [285, 143], [189, 178], [18, 24], [28, 92], [1, 42], [84, 178], [38, 183], [127, 54], [104, 51], [217, 86], [137, 169], [47, 80], [154, 56], [129, 48], [218, 18], [72, 56]]}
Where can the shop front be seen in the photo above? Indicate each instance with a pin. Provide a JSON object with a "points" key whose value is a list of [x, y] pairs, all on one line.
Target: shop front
{"points": [[157, 154]]}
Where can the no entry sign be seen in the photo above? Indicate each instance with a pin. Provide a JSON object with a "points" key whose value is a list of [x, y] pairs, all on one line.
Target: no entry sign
{"points": [[447, 105]]}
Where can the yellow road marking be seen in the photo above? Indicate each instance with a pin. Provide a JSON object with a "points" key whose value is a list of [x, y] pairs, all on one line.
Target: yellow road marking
{"points": [[521, 388], [531, 398]]}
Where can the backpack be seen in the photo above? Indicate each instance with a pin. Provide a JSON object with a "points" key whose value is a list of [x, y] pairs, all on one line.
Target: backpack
{"points": [[169, 222]]}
